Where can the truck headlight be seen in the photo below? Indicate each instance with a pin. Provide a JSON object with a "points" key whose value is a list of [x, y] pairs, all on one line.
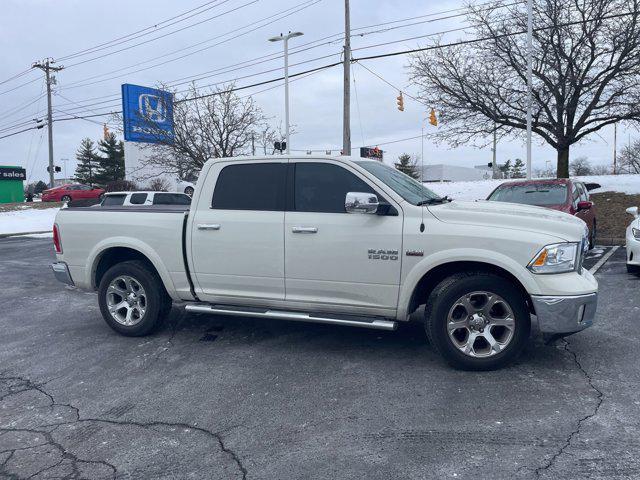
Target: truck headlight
{"points": [[636, 233], [556, 258]]}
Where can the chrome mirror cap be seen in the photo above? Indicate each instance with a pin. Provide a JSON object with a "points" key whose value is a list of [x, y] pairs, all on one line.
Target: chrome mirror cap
{"points": [[359, 202]]}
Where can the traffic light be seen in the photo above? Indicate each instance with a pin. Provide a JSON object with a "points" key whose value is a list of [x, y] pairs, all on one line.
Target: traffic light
{"points": [[400, 102], [56, 169], [105, 131], [432, 118]]}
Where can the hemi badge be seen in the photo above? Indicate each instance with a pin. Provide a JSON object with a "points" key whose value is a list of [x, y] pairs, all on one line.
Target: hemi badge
{"points": [[415, 253]]}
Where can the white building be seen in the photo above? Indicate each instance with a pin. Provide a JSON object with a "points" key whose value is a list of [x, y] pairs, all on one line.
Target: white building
{"points": [[453, 173]]}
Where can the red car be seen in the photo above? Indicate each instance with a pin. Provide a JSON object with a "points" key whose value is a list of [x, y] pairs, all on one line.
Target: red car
{"points": [[71, 192], [566, 195]]}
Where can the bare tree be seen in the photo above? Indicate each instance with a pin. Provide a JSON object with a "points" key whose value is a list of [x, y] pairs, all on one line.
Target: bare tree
{"points": [[207, 124], [629, 159], [580, 166], [266, 136], [586, 64], [159, 185], [601, 170]]}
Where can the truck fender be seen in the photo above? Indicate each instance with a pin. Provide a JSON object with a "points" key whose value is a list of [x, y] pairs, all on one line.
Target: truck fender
{"points": [[134, 244], [488, 257]]}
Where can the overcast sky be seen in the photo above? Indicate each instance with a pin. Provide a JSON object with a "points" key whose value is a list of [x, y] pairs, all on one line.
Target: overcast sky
{"points": [[33, 29]]}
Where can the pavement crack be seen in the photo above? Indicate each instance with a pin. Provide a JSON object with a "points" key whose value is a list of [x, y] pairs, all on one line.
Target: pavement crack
{"points": [[576, 431], [23, 384]]}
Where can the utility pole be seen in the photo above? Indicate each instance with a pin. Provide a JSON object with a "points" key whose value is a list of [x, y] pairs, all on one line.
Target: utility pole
{"points": [[46, 66], [615, 140], [346, 101], [529, 81]]}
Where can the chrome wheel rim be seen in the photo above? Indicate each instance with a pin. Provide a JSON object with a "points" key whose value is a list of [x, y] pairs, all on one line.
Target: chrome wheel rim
{"points": [[481, 324], [126, 300]]}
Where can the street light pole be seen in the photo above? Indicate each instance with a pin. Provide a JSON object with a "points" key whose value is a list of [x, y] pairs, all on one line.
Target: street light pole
{"points": [[529, 81], [285, 39]]}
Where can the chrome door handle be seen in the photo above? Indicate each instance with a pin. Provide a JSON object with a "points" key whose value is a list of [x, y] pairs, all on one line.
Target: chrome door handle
{"points": [[304, 229], [208, 226]]}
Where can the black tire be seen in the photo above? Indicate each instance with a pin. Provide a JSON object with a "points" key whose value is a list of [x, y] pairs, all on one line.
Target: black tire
{"points": [[65, 198], [446, 294], [157, 301], [592, 237], [633, 269], [189, 191]]}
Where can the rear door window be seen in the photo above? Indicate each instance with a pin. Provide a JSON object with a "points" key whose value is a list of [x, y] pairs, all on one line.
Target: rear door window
{"points": [[171, 199], [253, 186], [138, 198], [113, 200]]}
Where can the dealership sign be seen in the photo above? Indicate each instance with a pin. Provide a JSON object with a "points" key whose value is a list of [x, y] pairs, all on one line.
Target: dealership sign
{"points": [[366, 152], [147, 114], [13, 173]]}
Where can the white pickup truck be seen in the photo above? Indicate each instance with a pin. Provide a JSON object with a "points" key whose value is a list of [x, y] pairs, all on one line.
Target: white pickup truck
{"points": [[343, 241]]}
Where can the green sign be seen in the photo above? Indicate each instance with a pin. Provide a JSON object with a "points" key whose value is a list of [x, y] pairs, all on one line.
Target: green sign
{"points": [[11, 187]]}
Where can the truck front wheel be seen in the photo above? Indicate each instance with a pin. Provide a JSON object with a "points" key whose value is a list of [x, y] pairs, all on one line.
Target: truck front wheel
{"points": [[477, 320], [132, 299]]}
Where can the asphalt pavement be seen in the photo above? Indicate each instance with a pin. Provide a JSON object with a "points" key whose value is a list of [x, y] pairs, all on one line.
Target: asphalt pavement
{"points": [[226, 398]]}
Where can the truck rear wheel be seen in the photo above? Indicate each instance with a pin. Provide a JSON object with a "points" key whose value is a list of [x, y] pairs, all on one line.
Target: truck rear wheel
{"points": [[477, 320], [132, 299]]}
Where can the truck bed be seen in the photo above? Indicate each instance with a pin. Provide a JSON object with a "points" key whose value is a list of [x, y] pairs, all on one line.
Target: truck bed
{"points": [[86, 233]]}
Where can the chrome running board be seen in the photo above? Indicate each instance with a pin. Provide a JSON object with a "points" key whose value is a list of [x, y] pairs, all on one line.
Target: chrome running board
{"points": [[236, 311]]}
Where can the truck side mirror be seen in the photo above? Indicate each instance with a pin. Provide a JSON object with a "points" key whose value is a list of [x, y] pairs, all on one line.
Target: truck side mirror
{"points": [[359, 202], [633, 211]]}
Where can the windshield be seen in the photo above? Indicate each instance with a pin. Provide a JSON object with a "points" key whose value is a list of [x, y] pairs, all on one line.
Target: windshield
{"points": [[533, 194], [405, 186]]}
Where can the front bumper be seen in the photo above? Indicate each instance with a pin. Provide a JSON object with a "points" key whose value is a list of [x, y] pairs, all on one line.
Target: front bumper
{"points": [[61, 272], [633, 250], [565, 314]]}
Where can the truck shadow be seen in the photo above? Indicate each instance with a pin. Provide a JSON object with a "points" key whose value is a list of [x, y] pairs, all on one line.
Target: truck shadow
{"points": [[279, 336]]}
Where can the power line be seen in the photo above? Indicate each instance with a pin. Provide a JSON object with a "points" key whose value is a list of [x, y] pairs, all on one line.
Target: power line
{"points": [[387, 82], [371, 57], [16, 76], [20, 131], [132, 36], [164, 35], [282, 14], [299, 7], [20, 86], [477, 40], [13, 111]]}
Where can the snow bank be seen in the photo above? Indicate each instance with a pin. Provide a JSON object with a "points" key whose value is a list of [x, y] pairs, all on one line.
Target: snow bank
{"points": [[480, 189], [27, 220]]}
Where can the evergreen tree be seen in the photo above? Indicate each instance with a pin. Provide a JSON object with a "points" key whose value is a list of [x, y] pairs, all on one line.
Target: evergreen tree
{"points": [[111, 160], [40, 187], [87, 162], [517, 170], [506, 168], [407, 165]]}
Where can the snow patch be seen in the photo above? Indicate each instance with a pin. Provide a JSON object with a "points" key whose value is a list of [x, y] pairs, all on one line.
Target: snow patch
{"points": [[27, 220]]}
